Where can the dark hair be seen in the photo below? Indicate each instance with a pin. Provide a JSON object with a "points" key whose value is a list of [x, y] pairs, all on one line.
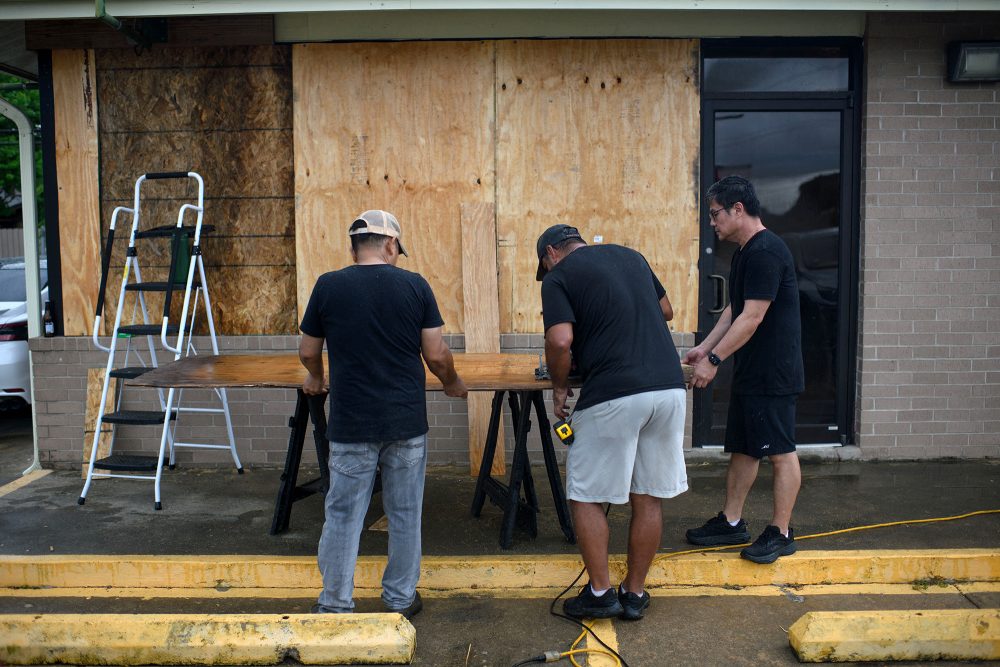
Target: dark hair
{"points": [[370, 241], [732, 189], [359, 241]]}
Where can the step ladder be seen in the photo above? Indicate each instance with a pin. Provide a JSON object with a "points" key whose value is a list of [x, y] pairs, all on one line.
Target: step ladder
{"points": [[131, 361]]}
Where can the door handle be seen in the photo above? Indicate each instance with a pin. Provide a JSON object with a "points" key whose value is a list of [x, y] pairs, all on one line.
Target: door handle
{"points": [[721, 293]]}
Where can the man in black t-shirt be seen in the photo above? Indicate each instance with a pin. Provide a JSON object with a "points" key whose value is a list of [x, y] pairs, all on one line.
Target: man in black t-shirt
{"points": [[604, 308], [380, 323], [761, 329]]}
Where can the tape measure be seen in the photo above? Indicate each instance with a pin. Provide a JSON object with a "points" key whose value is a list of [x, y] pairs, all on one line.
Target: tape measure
{"points": [[564, 431]]}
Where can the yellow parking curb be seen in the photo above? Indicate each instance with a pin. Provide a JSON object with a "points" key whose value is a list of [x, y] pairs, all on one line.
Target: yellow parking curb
{"points": [[488, 575], [205, 639], [858, 636]]}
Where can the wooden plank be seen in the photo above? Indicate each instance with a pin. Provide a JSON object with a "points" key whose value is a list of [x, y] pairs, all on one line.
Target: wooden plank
{"points": [[604, 135], [74, 86], [284, 370], [481, 372], [405, 127], [95, 382], [482, 319]]}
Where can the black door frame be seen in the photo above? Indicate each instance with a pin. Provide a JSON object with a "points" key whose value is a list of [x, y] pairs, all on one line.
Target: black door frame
{"points": [[847, 103]]}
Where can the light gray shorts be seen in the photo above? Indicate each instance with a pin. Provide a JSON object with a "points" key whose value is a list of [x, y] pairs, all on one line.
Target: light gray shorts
{"points": [[632, 444]]}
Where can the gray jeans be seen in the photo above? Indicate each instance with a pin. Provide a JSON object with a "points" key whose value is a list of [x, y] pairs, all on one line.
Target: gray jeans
{"points": [[352, 476]]}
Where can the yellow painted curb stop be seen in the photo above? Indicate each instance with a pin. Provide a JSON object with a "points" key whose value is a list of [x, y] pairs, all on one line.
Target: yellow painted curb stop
{"points": [[860, 636], [491, 575], [205, 639]]}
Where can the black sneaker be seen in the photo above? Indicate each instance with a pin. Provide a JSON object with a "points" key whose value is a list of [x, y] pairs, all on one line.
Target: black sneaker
{"points": [[717, 531], [633, 606], [413, 609], [771, 544], [588, 605]]}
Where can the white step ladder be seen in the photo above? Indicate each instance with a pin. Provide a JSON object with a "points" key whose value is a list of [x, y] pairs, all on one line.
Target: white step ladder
{"points": [[195, 294]]}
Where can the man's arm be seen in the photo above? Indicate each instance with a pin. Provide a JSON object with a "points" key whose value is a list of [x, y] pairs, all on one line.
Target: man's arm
{"points": [[558, 340], [668, 310], [438, 357], [735, 337], [699, 352], [311, 356]]}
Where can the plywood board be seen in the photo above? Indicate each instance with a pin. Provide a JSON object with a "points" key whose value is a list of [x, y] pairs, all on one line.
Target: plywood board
{"points": [[225, 113], [405, 127], [603, 135], [482, 318], [178, 99], [247, 164], [95, 383], [74, 90]]}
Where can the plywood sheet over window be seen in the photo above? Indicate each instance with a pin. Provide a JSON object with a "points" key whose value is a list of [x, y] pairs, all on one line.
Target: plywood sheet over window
{"points": [[225, 113], [405, 127], [603, 135]]}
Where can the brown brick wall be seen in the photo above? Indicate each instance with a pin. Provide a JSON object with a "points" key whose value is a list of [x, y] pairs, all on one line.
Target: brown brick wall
{"points": [[929, 348]]}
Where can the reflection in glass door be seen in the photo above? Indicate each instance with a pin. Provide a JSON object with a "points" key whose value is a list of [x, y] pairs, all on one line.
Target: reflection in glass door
{"points": [[794, 159]]}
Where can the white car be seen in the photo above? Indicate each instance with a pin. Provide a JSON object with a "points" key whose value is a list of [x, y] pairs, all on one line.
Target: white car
{"points": [[15, 383]]}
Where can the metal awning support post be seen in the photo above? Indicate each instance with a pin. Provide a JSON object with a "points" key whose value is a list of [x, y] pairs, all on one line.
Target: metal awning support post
{"points": [[29, 217], [131, 35]]}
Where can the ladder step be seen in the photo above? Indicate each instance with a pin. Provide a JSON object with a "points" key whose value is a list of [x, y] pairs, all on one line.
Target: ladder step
{"points": [[159, 287], [139, 417], [146, 329], [126, 463], [168, 230], [130, 372]]}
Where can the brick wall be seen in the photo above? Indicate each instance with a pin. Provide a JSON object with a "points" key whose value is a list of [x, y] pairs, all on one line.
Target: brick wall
{"points": [[260, 416], [929, 348]]}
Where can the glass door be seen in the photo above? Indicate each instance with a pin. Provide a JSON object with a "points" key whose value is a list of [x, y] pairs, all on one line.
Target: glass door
{"points": [[800, 153]]}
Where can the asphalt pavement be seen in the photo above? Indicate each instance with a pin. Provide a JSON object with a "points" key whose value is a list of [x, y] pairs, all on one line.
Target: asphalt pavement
{"points": [[219, 512]]}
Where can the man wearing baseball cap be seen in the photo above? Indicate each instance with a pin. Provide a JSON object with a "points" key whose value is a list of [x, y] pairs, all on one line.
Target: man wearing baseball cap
{"points": [[380, 324], [605, 310]]}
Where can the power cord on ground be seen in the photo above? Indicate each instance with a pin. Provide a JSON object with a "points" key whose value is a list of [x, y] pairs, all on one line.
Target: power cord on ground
{"points": [[555, 656]]}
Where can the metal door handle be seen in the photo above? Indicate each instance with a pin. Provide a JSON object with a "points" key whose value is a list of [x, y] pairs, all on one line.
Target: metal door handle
{"points": [[721, 293]]}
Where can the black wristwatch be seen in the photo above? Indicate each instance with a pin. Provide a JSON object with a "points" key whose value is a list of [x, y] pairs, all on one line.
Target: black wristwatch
{"points": [[713, 359]]}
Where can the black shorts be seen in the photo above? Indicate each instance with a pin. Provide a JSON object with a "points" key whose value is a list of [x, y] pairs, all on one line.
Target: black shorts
{"points": [[760, 426]]}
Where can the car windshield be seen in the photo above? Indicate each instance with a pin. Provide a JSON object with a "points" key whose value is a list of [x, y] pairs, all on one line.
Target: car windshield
{"points": [[12, 287]]}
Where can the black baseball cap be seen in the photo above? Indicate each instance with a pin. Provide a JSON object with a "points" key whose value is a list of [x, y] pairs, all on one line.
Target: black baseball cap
{"points": [[554, 235]]}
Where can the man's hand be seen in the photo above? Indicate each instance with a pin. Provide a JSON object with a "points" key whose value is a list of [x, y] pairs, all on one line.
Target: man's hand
{"points": [[313, 386], [694, 355], [456, 389], [311, 356], [704, 372], [559, 407]]}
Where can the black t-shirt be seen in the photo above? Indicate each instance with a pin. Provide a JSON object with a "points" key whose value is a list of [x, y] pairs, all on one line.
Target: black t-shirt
{"points": [[371, 317], [621, 344], [771, 361]]}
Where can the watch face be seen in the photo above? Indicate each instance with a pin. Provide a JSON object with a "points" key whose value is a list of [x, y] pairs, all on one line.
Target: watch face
{"points": [[713, 359]]}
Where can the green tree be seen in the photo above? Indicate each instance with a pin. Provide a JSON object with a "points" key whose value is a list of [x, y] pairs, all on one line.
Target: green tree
{"points": [[10, 156]]}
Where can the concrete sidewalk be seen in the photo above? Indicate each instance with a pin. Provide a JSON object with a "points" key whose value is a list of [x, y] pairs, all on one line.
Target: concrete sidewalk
{"points": [[220, 512], [731, 622]]}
